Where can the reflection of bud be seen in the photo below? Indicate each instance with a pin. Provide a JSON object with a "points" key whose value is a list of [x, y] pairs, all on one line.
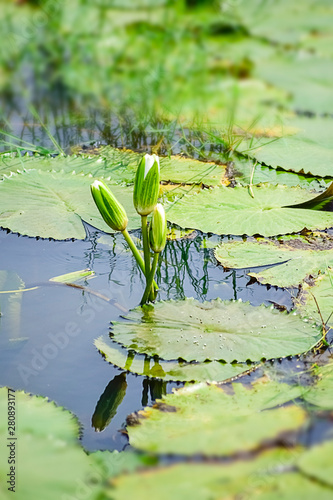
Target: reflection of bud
{"points": [[158, 229], [109, 402], [147, 184], [111, 210]]}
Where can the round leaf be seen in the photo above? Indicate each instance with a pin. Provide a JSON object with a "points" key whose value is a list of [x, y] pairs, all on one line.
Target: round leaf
{"points": [[297, 258], [233, 211], [203, 419], [53, 204], [216, 330], [168, 370]]}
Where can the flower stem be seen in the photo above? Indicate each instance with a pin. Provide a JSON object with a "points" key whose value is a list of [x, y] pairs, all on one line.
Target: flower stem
{"points": [[148, 294], [145, 241], [136, 254]]}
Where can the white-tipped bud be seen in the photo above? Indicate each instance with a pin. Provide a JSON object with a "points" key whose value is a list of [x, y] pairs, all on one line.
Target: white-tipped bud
{"points": [[147, 184]]}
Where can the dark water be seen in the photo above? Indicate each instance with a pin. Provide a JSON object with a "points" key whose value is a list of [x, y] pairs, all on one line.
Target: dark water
{"points": [[47, 334]]}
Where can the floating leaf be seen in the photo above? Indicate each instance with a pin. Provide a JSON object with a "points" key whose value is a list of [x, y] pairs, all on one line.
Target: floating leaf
{"points": [[53, 204], [115, 462], [121, 165], [168, 370], [320, 394], [259, 478], [214, 330], [196, 481], [203, 419], [317, 462], [243, 168], [296, 257], [282, 21], [308, 149], [308, 79], [49, 463], [233, 211], [323, 292], [109, 402], [64, 425]]}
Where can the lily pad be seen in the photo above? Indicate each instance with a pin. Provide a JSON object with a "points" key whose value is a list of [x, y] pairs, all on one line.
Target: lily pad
{"points": [[308, 79], [64, 424], [259, 478], [216, 330], [282, 21], [115, 463], [243, 169], [53, 204], [323, 292], [168, 370], [203, 419], [122, 165], [234, 211], [317, 463], [49, 463], [307, 149], [297, 258], [320, 394]]}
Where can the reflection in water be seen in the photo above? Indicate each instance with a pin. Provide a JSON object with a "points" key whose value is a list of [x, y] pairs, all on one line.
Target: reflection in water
{"points": [[157, 389], [109, 402]]}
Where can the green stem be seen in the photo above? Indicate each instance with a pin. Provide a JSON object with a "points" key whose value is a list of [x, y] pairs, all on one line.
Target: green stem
{"points": [[145, 241], [148, 291], [136, 254]]}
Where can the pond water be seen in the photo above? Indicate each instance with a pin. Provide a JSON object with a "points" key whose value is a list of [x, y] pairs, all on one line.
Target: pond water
{"points": [[47, 334]]}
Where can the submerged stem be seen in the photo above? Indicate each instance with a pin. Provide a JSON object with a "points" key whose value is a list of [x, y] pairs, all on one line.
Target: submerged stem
{"points": [[145, 240], [136, 254], [149, 292]]}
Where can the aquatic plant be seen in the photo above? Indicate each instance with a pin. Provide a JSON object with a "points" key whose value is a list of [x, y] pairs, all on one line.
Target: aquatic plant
{"points": [[145, 196]]}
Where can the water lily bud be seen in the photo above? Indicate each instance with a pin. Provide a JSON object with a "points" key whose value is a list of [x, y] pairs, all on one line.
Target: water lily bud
{"points": [[158, 229], [147, 184], [111, 210]]}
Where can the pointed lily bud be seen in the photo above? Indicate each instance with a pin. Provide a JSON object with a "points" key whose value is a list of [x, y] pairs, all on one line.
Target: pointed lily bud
{"points": [[147, 184], [158, 229], [111, 210]]}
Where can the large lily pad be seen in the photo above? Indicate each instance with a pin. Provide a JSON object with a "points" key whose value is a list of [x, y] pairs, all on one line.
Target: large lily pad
{"points": [[234, 211], [260, 478], [176, 169], [203, 419], [244, 170], [49, 463], [305, 148], [322, 291], [297, 258], [119, 165], [320, 394], [216, 330], [53, 204], [167, 370], [308, 79], [282, 21], [317, 463]]}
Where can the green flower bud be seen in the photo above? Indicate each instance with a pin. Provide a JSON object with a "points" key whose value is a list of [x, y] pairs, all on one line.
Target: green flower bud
{"points": [[158, 229], [111, 210], [147, 184]]}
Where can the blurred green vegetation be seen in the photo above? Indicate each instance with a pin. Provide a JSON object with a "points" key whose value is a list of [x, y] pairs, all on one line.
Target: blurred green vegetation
{"points": [[236, 66]]}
